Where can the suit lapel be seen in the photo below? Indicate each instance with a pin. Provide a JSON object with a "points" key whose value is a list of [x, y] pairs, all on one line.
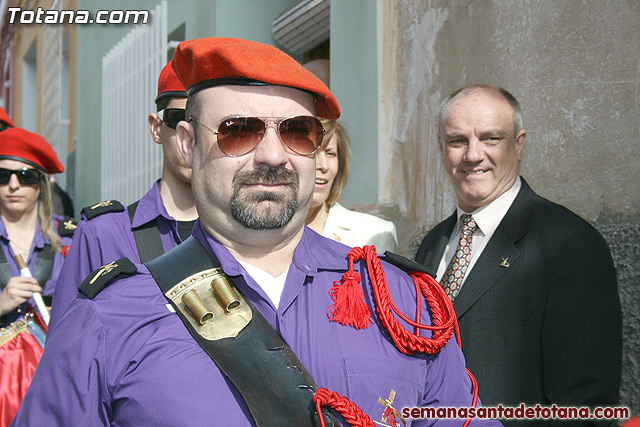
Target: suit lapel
{"points": [[490, 268], [487, 271]]}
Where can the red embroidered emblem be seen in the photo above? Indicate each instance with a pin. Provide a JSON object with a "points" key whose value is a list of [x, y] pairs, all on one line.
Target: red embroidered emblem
{"points": [[391, 415]]}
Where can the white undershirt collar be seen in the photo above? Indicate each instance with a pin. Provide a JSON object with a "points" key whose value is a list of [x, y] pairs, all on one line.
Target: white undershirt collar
{"points": [[272, 286]]}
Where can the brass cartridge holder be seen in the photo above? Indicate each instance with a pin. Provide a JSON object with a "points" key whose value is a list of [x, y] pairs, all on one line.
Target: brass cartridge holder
{"points": [[227, 296], [197, 307], [211, 303]]}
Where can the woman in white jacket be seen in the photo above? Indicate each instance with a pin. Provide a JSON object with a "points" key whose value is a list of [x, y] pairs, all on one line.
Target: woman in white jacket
{"points": [[326, 216]]}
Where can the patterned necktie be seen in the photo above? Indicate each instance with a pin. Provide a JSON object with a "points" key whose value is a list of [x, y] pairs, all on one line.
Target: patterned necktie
{"points": [[453, 275]]}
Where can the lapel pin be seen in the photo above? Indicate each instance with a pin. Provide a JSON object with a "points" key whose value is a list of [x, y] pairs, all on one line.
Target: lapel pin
{"points": [[505, 263]]}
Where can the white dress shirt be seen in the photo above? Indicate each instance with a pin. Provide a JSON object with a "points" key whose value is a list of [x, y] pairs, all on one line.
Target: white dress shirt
{"points": [[488, 218]]}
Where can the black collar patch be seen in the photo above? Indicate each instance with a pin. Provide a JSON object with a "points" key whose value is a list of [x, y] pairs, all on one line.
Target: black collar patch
{"points": [[67, 226], [102, 208], [103, 276]]}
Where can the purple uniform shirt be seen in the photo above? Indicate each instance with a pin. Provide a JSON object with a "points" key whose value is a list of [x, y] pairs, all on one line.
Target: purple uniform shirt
{"points": [[106, 238], [125, 359], [38, 242]]}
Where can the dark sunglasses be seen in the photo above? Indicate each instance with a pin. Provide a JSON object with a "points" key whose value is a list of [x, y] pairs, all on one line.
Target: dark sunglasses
{"points": [[238, 136], [171, 116], [25, 176]]}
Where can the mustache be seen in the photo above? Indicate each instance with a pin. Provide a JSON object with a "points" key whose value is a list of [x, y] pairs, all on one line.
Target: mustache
{"points": [[266, 175]]}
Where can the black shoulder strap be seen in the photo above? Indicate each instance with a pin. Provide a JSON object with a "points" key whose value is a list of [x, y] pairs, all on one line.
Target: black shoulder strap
{"points": [[256, 353], [148, 239], [176, 265], [405, 264]]}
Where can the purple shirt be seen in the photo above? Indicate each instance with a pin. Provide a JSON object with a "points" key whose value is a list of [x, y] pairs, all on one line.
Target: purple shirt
{"points": [[106, 238], [37, 244], [124, 359]]}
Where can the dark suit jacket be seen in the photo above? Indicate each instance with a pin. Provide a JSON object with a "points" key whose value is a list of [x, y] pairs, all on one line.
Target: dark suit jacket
{"points": [[547, 328]]}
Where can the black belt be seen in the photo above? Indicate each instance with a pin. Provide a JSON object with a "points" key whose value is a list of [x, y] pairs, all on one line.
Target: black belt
{"points": [[274, 384]]}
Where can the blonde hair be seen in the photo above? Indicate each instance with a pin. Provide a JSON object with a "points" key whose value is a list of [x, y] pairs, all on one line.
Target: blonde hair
{"points": [[45, 213], [333, 127]]}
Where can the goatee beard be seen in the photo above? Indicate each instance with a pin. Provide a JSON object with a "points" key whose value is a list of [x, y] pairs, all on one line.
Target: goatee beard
{"points": [[265, 210]]}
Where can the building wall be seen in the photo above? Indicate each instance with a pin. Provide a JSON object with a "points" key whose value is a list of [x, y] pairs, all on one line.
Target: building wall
{"points": [[354, 82], [573, 66], [94, 41], [24, 41], [201, 19], [27, 88]]}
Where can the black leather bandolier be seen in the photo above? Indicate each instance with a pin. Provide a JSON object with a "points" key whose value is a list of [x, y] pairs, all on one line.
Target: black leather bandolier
{"points": [[148, 240], [271, 379]]}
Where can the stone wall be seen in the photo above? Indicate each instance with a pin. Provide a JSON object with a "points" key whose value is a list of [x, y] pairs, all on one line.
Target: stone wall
{"points": [[574, 67], [623, 235]]}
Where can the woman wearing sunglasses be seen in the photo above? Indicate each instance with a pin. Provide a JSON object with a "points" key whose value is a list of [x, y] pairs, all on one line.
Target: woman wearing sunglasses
{"points": [[26, 225], [326, 216]]}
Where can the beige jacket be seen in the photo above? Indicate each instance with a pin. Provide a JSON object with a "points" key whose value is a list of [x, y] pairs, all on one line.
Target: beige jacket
{"points": [[358, 229]]}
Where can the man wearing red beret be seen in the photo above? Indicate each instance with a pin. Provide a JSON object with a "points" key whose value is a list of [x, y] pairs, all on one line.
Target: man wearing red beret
{"points": [[235, 326], [159, 221]]}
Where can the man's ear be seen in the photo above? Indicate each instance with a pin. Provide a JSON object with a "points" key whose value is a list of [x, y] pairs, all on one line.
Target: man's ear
{"points": [[154, 127], [521, 138], [186, 140]]}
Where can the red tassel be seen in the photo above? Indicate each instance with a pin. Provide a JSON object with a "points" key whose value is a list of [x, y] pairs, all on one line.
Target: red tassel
{"points": [[348, 306]]}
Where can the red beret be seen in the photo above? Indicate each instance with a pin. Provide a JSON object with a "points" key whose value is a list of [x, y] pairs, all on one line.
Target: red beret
{"points": [[24, 146], [632, 422], [214, 61], [5, 117], [168, 85]]}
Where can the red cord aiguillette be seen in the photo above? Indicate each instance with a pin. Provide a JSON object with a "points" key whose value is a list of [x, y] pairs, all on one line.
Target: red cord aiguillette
{"points": [[349, 309]]}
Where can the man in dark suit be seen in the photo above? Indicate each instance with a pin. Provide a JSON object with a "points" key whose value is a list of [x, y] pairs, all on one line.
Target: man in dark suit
{"points": [[533, 285]]}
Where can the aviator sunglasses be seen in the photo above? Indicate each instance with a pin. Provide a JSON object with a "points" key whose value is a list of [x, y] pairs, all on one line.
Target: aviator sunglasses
{"points": [[238, 136], [25, 176], [171, 116]]}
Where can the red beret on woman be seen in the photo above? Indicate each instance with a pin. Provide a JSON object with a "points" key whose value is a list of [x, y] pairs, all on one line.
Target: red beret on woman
{"points": [[24, 146], [4, 117]]}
